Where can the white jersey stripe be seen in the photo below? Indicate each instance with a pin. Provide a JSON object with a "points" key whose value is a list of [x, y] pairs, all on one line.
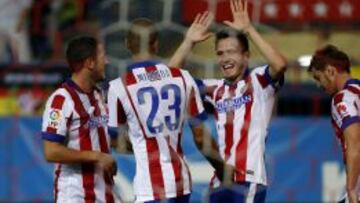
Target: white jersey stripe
{"points": [[152, 149]]}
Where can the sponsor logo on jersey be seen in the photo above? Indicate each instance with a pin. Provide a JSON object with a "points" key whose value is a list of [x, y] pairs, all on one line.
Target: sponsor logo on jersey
{"points": [[231, 104], [98, 121]]}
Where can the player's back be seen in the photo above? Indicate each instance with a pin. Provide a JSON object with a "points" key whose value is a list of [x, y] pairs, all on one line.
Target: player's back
{"points": [[154, 100], [159, 97]]}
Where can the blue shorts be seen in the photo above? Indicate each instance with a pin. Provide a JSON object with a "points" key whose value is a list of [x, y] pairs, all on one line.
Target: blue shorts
{"points": [[239, 193], [181, 199]]}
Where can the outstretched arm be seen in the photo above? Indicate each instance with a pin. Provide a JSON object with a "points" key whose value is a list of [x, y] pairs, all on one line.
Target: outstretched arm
{"points": [[241, 22], [352, 140], [197, 32]]}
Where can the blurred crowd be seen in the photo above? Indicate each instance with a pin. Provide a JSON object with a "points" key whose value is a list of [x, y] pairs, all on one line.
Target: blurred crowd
{"points": [[35, 30]]}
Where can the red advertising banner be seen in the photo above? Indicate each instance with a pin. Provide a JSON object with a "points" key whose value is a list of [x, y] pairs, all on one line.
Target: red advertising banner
{"points": [[281, 11]]}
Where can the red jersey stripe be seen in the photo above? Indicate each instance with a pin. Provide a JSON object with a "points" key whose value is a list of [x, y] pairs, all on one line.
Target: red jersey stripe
{"points": [[58, 102], [229, 126], [176, 165], [242, 147], [87, 169]]}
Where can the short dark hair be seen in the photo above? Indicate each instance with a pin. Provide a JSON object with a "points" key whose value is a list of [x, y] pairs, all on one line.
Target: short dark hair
{"points": [[79, 49], [330, 55], [135, 36], [240, 36]]}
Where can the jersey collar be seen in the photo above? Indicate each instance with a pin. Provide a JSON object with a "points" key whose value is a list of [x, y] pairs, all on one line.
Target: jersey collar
{"points": [[142, 64], [73, 85], [351, 81]]}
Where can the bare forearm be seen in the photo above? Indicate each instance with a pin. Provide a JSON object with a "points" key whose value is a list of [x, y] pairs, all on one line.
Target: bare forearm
{"points": [[178, 59], [275, 59], [352, 140], [353, 172], [208, 147], [61, 154]]}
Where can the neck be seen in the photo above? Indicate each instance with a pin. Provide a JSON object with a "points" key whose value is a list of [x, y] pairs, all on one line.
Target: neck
{"points": [[237, 78], [142, 57], [85, 83], [341, 80]]}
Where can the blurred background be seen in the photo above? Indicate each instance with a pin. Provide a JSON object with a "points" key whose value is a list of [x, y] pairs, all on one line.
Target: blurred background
{"points": [[303, 157]]}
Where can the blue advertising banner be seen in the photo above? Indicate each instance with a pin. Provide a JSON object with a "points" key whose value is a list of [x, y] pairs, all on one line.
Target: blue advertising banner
{"points": [[302, 155]]}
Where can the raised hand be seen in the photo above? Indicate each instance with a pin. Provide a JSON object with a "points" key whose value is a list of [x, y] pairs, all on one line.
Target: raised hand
{"points": [[198, 30], [239, 10]]}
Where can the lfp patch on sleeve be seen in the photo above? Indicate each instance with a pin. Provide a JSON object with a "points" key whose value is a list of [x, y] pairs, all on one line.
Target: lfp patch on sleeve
{"points": [[54, 118]]}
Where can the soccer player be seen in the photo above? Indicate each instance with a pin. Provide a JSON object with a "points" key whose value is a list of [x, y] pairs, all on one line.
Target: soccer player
{"points": [[243, 100], [155, 100], [330, 68], [74, 129]]}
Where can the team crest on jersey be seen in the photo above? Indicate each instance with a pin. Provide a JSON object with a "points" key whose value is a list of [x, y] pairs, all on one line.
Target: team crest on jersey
{"points": [[342, 110], [231, 104]]}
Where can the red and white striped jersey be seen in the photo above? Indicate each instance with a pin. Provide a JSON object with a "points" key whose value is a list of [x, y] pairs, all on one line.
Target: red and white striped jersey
{"points": [[78, 120], [155, 100], [345, 109], [242, 113]]}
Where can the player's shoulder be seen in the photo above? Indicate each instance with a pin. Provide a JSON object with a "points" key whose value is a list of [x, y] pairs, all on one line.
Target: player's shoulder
{"points": [[115, 82], [345, 95], [61, 91], [60, 95], [213, 82], [259, 69]]}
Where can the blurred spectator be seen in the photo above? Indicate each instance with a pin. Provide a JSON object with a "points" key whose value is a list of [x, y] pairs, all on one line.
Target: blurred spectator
{"points": [[12, 15], [71, 17], [39, 31]]}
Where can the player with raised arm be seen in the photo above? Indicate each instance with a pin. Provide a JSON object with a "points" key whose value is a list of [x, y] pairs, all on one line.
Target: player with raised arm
{"points": [[243, 100], [155, 101], [74, 129], [330, 68]]}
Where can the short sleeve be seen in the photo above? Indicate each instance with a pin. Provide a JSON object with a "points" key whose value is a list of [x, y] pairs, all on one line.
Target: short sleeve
{"points": [[344, 111], [56, 116], [264, 83], [195, 108], [117, 115]]}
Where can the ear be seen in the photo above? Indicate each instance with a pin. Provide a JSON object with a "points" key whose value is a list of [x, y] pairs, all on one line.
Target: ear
{"points": [[247, 54], [155, 47], [89, 63]]}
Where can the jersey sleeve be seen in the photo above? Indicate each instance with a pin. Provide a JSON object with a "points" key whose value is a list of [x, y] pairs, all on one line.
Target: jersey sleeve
{"points": [[56, 116], [195, 108], [344, 111], [263, 82], [117, 116]]}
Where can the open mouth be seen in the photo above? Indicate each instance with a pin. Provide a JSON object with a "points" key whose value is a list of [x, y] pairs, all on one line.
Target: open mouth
{"points": [[228, 66]]}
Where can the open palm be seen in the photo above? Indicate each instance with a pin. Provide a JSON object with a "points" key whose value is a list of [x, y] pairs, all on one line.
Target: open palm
{"points": [[198, 30], [239, 10]]}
